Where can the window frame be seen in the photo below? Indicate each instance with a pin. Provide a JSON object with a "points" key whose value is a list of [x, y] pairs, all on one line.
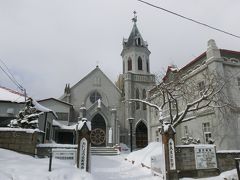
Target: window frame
{"points": [[140, 63]]}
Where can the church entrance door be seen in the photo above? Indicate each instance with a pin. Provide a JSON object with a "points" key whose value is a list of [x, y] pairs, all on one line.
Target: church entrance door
{"points": [[141, 135], [98, 133]]}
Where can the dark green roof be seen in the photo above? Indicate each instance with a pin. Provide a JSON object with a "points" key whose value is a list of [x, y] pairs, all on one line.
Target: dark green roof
{"points": [[133, 38]]}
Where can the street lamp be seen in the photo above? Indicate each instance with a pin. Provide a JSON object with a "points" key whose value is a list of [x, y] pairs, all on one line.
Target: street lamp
{"points": [[130, 124]]}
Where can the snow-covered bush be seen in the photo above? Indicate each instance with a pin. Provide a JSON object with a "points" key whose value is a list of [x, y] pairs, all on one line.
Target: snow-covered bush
{"points": [[189, 140], [26, 118]]}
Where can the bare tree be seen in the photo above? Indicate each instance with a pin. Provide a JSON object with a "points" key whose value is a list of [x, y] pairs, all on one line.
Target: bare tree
{"points": [[179, 96]]}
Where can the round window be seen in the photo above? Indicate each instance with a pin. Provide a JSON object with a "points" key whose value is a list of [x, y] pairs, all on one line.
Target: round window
{"points": [[94, 97]]}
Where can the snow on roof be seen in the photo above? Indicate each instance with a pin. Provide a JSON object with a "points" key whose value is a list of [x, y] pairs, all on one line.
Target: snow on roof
{"points": [[20, 130], [228, 151], [54, 145], [63, 126], [197, 145], [11, 95], [42, 108]]}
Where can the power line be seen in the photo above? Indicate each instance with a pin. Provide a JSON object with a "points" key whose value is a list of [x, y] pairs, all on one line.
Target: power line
{"points": [[12, 78], [10, 75], [190, 19]]}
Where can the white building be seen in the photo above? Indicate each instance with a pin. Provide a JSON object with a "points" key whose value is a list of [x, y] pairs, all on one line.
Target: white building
{"points": [[208, 123]]}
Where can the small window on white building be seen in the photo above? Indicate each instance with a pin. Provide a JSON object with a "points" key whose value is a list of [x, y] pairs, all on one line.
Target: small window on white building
{"points": [[62, 116], [94, 96], [238, 82], [48, 128], [10, 111], [207, 131], [185, 130], [201, 87], [208, 136]]}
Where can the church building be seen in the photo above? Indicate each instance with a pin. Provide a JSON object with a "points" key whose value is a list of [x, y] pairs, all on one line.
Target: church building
{"points": [[104, 103]]}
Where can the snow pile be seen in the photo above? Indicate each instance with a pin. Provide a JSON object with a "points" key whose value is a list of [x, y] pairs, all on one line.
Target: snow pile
{"points": [[144, 155], [228, 175], [22, 167], [124, 148]]}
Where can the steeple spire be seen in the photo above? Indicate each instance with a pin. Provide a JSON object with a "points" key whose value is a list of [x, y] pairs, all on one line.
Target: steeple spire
{"points": [[135, 39]]}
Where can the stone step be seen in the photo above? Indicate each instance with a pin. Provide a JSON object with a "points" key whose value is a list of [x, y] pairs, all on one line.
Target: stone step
{"points": [[104, 151]]}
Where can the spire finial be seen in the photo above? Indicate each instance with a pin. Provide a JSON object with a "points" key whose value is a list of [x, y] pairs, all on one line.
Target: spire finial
{"points": [[97, 62], [134, 19]]}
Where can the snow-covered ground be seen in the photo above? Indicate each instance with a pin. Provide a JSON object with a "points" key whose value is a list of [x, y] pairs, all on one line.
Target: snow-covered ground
{"points": [[15, 166], [116, 168], [144, 155]]}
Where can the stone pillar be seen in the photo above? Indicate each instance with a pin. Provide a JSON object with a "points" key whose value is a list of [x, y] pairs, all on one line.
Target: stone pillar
{"points": [[130, 120], [84, 143], [114, 126], [118, 133], [82, 112], [212, 50], [168, 140]]}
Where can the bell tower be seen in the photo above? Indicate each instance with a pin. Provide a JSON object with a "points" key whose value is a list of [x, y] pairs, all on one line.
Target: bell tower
{"points": [[135, 53], [137, 79]]}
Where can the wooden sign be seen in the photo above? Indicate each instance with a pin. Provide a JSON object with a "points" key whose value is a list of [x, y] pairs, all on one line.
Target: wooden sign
{"points": [[171, 149], [65, 154], [205, 157], [83, 154]]}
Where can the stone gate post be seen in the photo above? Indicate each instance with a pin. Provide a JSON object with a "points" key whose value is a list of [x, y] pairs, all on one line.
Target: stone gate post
{"points": [[168, 140], [84, 145]]}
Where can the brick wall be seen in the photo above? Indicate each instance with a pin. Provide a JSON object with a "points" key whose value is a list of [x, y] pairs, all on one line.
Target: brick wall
{"points": [[20, 140], [226, 159]]}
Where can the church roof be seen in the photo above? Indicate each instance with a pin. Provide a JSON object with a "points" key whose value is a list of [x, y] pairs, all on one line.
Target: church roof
{"points": [[54, 99], [86, 77], [134, 37]]}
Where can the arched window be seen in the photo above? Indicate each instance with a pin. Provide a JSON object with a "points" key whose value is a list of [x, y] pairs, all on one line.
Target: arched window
{"points": [[140, 63], [147, 66], [94, 96], [144, 95], [137, 97], [139, 42], [129, 64]]}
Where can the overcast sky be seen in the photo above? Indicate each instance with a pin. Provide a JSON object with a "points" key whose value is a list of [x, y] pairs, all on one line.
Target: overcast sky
{"points": [[48, 43]]}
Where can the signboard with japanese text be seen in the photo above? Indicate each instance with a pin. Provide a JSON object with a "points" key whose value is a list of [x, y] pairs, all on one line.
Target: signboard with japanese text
{"points": [[172, 162], [205, 157], [83, 154], [65, 154]]}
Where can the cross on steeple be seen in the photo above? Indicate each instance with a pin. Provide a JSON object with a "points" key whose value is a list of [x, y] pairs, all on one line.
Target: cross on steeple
{"points": [[134, 19]]}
